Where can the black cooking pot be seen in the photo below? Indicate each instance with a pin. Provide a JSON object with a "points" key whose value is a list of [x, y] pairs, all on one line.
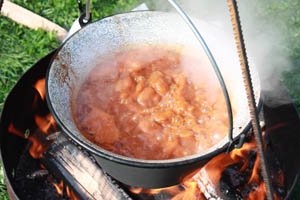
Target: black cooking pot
{"points": [[79, 54]]}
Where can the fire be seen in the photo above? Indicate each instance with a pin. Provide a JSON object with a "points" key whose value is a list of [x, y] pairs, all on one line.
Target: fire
{"points": [[40, 87], [37, 134], [38, 142], [71, 194], [191, 191], [44, 124], [259, 193], [62, 189], [186, 191], [207, 181], [212, 171], [255, 174], [59, 187], [172, 189]]}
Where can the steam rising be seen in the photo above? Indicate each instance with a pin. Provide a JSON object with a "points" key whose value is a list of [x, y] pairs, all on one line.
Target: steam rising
{"points": [[263, 40]]}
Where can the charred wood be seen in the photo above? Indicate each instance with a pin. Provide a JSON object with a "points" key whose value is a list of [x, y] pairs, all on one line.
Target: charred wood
{"points": [[83, 175]]}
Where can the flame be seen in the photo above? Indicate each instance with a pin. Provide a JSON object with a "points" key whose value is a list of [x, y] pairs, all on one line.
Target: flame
{"points": [[191, 191], [37, 149], [45, 124], [139, 190], [40, 87], [71, 194], [62, 189], [207, 179], [191, 188], [38, 140], [59, 187], [186, 191], [259, 193], [13, 130], [212, 171], [38, 144], [255, 173], [136, 190]]}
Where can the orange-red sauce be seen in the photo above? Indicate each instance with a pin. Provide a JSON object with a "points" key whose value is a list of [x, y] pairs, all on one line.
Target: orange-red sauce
{"points": [[140, 103]]}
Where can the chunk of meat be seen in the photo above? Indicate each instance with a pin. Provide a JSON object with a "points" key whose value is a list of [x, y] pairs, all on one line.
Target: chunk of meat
{"points": [[124, 84], [148, 97], [157, 82], [145, 106], [100, 126]]}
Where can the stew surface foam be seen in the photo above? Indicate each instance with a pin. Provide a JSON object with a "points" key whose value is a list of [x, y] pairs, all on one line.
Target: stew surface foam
{"points": [[147, 103]]}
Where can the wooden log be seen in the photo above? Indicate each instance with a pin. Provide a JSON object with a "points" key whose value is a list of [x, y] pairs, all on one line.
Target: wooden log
{"points": [[30, 19], [83, 175]]}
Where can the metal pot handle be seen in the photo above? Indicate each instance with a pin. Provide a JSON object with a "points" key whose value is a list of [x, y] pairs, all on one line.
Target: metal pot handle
{"points": [[85, 14], [86, 17], [218, 73], [1, 4]]}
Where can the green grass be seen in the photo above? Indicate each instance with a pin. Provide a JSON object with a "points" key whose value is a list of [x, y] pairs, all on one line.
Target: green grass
{"points": [[21, 47], [65, 12], [3, 194]]}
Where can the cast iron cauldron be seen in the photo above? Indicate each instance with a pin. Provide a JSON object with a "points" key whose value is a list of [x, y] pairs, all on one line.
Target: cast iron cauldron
{"points": [[78, 55]]}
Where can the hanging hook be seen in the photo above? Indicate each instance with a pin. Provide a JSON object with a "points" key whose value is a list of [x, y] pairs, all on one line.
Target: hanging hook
{"points": [[80, 7], [85, 15], [214, 64], [87, 11]]}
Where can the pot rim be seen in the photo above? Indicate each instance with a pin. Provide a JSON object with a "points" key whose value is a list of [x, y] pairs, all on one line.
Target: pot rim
{"points": [[98, 151]]}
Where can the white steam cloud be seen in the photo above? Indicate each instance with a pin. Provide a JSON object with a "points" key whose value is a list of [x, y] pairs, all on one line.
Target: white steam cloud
{"points": [[263, 40]]}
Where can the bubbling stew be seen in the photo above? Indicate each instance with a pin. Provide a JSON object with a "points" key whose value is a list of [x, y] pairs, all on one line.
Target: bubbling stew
{"points": [[147, 103]]}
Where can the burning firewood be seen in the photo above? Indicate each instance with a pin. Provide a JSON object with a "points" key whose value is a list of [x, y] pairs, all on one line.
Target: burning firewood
{"points": [[65, 160]]}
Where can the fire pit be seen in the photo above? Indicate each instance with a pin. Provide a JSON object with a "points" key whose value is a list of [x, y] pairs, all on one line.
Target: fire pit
{"points": [[41, 163]]}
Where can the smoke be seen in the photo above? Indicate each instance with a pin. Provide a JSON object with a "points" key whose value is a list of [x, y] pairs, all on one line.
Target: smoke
{"points": [[264, 41]]}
